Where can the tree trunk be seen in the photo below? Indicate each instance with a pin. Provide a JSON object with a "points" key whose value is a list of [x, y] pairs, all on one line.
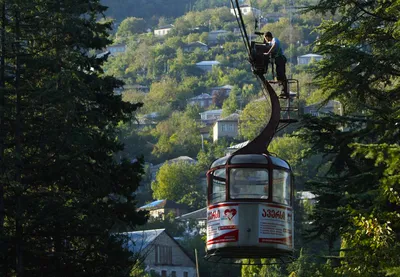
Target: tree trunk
{"points": [[2, 131], [2, 104]]}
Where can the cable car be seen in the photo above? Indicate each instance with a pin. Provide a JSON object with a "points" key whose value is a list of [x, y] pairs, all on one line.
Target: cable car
{"points": [[250, 199], [250, 202], [251, 192]]}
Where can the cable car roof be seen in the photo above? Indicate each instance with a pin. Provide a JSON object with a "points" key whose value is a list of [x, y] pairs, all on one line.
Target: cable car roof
{"points": [[250, 159]]}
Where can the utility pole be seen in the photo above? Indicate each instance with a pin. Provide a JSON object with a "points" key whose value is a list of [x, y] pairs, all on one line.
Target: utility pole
{"points": [[197, 263]]}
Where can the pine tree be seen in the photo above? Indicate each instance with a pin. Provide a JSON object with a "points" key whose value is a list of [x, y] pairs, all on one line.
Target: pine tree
{"points": [[355, 200], [65, 197]]}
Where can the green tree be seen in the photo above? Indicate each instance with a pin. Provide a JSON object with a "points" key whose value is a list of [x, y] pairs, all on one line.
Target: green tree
{"points": [[178, 135], [262, 268], [210, 152], [230, 105], [354, 199], [306, 265], [129, 27], [64, 197], [297, 153], [179, 182], [254, 118]]}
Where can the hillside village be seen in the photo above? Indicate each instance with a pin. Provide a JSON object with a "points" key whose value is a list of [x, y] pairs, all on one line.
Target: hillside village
{"points": [[120, 118], [197, 88]]}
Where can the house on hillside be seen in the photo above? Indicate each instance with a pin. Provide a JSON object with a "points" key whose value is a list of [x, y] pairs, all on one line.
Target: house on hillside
{"points": [[127, 88], [116, 49], [159, 208], [209, 117], [226, 127], [163, 30], [216, 36], [190, 47], [203, 100], [161, 253], [207, 66], [332, 106], [143, 122], [246, 10], [307, 59], [222, 89], [219, 94]]}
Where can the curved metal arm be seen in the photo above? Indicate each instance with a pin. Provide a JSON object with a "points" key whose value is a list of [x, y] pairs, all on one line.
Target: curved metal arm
{"points": [[260, 144]]}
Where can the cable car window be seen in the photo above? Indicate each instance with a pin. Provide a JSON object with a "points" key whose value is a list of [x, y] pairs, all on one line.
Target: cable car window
{"points": [[248, 183], [220, 161], [281, 187], [218, 186], [249, 159]]}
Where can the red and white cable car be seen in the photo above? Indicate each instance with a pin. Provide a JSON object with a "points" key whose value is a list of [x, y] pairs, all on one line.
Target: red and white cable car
{"points": [[251, 192], [250, 207]]}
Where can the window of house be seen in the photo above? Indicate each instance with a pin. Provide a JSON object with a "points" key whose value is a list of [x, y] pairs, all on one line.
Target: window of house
{"points": [[163, 273], [173, 274], [163, 254], [185, 274]]}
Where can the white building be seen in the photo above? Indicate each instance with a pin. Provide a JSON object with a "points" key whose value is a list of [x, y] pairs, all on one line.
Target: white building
{"points": [[226, 127], [163, 30], [209, 117], [307, 59], [207, 65], [246, 10], [204, 100]]}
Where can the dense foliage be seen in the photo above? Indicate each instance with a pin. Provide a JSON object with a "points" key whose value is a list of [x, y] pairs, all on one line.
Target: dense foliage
{"points": [[358, 200], [67, 183], [62, 194]]}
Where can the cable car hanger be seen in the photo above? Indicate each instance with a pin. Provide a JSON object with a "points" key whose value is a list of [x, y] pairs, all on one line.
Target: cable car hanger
{"points": [[255, 56]]}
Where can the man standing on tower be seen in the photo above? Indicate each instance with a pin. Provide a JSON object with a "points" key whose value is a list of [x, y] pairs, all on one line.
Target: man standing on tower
{"points": [[276, 52]]}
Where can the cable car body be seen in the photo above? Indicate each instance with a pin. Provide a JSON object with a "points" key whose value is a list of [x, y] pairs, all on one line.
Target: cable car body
{"points": [[249, 212]]}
